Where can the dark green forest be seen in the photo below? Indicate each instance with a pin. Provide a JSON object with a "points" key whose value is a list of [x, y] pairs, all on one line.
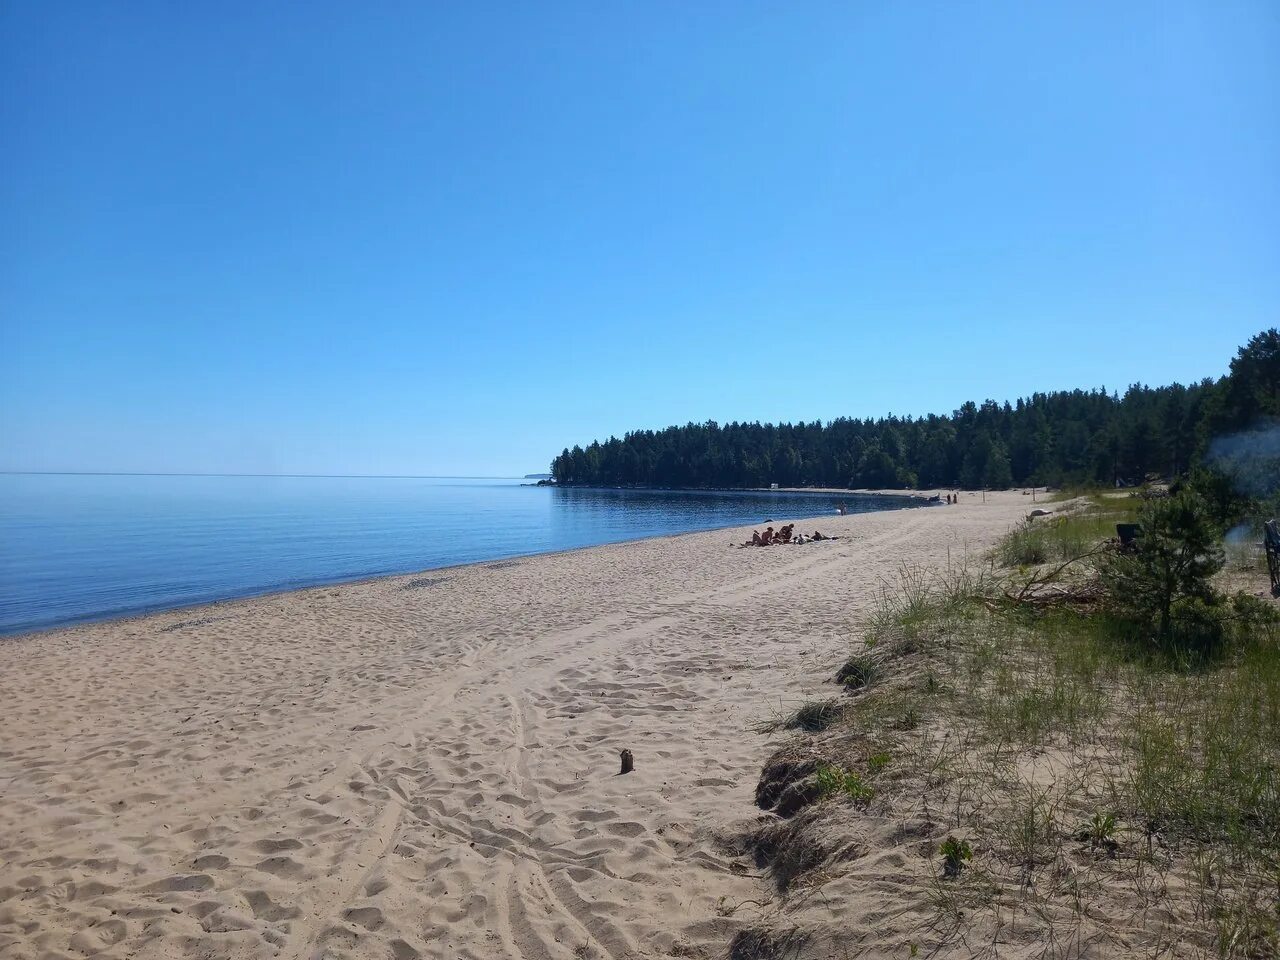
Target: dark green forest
{"points": [[1065, 437]]}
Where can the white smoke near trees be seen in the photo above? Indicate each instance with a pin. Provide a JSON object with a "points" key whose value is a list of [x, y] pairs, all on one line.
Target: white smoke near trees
{"points": [[1251, 458]]}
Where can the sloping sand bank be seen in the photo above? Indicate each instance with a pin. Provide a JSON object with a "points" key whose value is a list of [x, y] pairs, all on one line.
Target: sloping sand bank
{"points": [[427, 765]]}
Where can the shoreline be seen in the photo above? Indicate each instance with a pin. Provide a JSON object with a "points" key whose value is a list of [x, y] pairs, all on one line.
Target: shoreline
{"points": [[427, 766], [906, 494], [141, 613]]}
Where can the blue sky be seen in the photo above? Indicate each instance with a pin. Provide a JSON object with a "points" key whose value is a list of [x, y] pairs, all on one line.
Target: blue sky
{"points": [[453, 238]]}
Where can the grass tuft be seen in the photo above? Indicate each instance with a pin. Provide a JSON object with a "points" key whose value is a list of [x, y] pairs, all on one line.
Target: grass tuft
{"points": [[858, 672], [812, 716], [834, 781]]}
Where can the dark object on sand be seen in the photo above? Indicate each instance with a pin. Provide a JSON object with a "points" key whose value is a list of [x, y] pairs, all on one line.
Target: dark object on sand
{"points": [[628, 763], [1128, 534], [1271, 543]]}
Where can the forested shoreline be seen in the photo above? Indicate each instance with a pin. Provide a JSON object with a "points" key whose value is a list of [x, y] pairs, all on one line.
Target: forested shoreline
{"points": [[1064, 437]]}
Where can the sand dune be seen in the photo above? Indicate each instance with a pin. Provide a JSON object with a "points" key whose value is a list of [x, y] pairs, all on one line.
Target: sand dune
{"points": [[426, 766]]}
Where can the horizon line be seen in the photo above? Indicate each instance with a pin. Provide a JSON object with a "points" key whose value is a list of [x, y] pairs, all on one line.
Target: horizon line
{"points": [[314, 476]]}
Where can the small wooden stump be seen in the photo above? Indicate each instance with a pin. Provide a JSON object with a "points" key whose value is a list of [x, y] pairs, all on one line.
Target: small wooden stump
{"points": [[628, 763]]}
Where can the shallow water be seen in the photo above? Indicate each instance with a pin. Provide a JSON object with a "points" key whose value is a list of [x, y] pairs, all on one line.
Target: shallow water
{"points": [[77, 547]]}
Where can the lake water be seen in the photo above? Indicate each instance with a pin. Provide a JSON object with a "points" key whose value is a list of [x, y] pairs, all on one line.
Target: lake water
{"points": [[76, 548]]}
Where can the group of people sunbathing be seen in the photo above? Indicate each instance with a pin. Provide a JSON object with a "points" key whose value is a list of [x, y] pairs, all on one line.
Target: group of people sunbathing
{"points": [[785, 535]]}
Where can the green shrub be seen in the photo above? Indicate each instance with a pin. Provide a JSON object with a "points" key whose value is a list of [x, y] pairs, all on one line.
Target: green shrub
{"points": [[833, 781], [1163, 588], [1220, 494], [878, 761], [955, 854], [1197, 625]]}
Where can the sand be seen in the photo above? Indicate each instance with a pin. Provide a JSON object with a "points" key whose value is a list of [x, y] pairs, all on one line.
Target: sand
{"points": [[427, 766]]}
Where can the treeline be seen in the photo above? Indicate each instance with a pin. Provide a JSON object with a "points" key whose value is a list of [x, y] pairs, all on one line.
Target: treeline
{"points": [[1065, 437]]}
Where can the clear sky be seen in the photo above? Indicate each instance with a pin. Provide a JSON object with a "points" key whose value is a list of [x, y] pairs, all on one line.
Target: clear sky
{"points": [[446, 238]]}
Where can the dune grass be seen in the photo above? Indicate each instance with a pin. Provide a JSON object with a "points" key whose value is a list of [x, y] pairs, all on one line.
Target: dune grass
{"points": [[833, 780], [810, 716], [1070, 532], [1061, 748]]}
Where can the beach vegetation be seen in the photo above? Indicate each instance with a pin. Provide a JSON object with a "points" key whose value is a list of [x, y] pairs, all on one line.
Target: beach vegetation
{"points": [[1163, 587], [1100, 831], [955, 854], [1103, 724], [878, 761], [833, 780], [858, 672], [810, 716]]}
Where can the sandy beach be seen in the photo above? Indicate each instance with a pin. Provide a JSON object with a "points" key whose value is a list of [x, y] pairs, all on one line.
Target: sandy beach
{"points": [[427, 765]]}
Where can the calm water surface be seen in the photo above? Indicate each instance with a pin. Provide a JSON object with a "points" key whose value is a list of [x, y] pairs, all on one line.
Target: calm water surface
{"points": [[75, 548]]}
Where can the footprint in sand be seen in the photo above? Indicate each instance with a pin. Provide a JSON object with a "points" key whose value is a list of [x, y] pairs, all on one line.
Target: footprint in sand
{"points": [[224, 920], [402, 951], [281, 867], [264, 908], [277, 846], [203, 908], [100, 938], [182, 883], [626, 829], [88, 889], [368, 917]]}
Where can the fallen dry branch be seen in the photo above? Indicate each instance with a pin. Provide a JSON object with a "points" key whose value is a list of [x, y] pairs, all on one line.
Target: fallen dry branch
{"points": [[1046, 589], [1083, 596]]}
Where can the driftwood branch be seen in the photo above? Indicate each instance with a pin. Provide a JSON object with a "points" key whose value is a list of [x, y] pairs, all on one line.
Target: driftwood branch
{"points": [[1042, 589]]}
